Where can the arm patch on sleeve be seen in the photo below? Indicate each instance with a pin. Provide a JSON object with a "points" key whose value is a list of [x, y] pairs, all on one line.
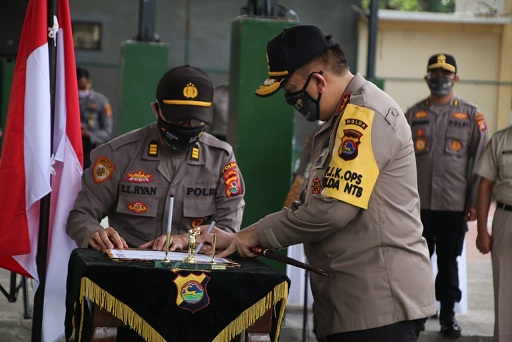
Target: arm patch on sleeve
{"points": [[352, 171]]}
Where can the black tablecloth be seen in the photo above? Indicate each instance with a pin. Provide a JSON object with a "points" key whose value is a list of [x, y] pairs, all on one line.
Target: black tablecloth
{"points": [[165, 305]]}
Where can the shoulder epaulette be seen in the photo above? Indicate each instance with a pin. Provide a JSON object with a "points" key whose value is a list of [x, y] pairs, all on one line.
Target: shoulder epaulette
{"points": [[210, 140], [127, 138]]}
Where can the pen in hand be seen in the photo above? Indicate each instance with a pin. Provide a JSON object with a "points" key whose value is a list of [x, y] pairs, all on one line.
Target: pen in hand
{"points": [[210, 227]]}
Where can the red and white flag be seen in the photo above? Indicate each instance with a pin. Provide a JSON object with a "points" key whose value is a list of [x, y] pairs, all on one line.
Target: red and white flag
{"points": [[30, 168]]}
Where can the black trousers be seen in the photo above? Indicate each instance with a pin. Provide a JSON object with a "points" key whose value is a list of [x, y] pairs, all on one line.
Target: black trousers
{"points": [[405, 331], [445, 232], [87, 147]]}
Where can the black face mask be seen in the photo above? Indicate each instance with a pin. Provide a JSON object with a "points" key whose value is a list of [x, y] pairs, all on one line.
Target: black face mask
{"points": [[179, 138], [304, 103], [440, 86]]}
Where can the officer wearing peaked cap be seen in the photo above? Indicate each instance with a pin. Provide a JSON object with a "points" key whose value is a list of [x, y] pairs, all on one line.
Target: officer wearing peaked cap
{"points": [[358, 212], [449, 136], [133, 176]]}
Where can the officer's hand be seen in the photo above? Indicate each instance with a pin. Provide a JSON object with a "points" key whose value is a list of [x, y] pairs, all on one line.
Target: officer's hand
{"points": [[470, 214], [223, 239], [178, 242], [484, 242], [106, 239], [242, 243], [85, 131]]}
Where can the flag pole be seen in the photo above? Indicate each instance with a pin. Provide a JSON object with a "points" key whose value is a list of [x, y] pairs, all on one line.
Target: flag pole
{"points": [[44, 214]]}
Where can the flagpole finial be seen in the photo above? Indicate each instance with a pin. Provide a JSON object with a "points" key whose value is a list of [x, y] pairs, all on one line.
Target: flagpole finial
{"points": [[52, 31]]}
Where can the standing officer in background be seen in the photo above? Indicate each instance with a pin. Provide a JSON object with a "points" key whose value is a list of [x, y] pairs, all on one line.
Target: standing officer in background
{"points": [[133, 176], [449, 136], [495, 169], [95, 115], [358, 213]]}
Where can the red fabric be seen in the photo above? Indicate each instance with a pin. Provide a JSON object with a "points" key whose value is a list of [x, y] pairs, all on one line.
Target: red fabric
{"points": [[14, 233]]}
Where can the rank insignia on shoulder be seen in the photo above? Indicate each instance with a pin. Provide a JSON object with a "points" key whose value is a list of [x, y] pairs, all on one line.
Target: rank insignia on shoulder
{"points": [[153, 149], [343, 103], [194, 153]]}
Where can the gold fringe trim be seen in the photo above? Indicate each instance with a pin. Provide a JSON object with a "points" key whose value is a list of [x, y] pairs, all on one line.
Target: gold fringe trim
{"points": [[249, 316], [117, 308]]}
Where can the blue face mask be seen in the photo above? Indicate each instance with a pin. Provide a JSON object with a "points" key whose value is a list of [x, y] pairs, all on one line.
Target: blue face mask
{"points": [[440, 86], [304, 103]]}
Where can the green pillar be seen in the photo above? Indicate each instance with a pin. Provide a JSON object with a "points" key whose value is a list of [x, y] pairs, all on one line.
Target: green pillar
{"points": [[6, 74], [260, 129], [142, 66]]}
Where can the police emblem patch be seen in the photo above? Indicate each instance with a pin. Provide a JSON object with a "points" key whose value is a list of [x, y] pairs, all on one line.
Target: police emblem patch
{"points": [[231, 179], [420, 144], [316, 186], [137, 207], [456, 145], [139, 177], [420, 132], [420, 115], [197, 222], [102, 169], [480, 120], [349, 144], [191, 292], [462, 116]]}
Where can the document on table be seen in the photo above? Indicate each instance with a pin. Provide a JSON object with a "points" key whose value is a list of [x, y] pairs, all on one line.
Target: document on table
{"points": [[147, 254]]}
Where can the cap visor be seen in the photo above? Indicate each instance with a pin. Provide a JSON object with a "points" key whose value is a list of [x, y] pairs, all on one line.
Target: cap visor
{"points": [[270, 86], [445, 66]]}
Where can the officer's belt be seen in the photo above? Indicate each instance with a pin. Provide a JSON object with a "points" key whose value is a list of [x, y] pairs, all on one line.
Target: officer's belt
{"points": [[503, 206]]}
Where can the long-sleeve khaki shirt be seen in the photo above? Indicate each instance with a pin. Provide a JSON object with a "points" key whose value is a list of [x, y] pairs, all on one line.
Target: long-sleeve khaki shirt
{"points": [[132, 177], [359, 218], [448, 140]]}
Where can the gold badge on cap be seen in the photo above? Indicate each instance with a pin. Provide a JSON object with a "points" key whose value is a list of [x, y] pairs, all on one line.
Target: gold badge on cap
{"points": [[190, 91]]}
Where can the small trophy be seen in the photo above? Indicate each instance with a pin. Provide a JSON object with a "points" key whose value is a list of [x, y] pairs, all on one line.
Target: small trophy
{"points": [[192, 233]]}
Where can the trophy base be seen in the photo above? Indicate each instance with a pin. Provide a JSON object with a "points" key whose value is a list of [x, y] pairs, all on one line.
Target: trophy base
{"points": [[181, 265]]}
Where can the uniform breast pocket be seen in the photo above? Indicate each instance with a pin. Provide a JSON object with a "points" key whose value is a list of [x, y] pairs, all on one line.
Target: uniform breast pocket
{"points": [[137, 205], [456, 141], [505, 164], [197, 207], [422, 138]]}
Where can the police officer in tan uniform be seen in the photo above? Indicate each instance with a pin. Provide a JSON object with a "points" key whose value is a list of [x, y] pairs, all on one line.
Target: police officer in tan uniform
{"points": [[95, 115], [133, 176], [358, 214], [495, 169], [449, 135]]}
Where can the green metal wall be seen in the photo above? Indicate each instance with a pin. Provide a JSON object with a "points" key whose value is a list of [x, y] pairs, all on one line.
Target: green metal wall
{"points": [[260, 129], [142, 66]]}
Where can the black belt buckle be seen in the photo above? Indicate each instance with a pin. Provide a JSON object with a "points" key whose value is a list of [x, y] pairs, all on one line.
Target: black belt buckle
{"points": [[504, 206]]}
